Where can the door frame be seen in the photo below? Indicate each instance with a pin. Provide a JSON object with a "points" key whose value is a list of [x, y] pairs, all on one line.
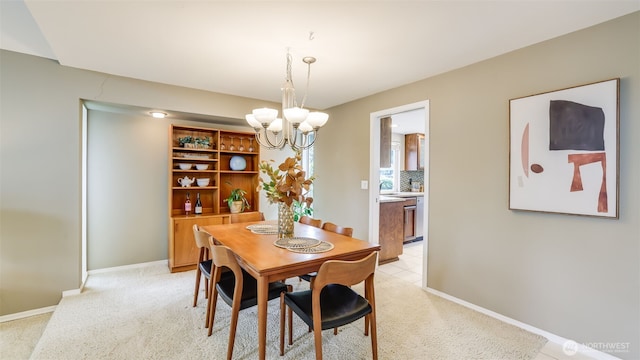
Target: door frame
{"points": [[374, 175]]}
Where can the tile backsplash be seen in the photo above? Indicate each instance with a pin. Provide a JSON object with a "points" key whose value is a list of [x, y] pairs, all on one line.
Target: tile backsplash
{"points": [[415, 176]]}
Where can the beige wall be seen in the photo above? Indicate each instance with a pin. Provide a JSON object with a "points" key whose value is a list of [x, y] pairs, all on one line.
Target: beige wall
{"points": [[40, 155], [576, 277]]}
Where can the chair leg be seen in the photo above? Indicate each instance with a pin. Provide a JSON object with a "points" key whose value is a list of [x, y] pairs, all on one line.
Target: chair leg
{"points": [[290, 324], [282, 316], [317, 336], [206, 288], [195, 293], [366, 325], [374, 336], [211, 309], [335, 331], [235, 310]]}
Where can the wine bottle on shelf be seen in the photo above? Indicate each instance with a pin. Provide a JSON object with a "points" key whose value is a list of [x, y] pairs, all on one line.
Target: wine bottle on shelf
{"points": [[187, 205], [198, 208]]}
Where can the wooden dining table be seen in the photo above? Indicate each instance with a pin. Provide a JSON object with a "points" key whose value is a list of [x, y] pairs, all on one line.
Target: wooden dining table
{"points": [[267, 262]]}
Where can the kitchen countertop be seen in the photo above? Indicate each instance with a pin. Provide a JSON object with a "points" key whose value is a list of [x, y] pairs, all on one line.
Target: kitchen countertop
{"points": [[388, 199], [399, 196]]}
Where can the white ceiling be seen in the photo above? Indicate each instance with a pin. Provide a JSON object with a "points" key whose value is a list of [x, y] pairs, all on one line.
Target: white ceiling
{"points": [[239, 47]]}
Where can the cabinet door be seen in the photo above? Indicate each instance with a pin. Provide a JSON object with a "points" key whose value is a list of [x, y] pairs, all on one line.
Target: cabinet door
{"points": [[409, 223], [390, 231], [185, 251], [420, 152], [411, 152]]}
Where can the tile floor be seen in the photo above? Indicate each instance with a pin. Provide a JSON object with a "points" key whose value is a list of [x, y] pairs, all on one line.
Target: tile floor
{"points": [[409, 268]]}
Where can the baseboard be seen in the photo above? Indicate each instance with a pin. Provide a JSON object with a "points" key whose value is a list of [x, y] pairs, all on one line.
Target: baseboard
{"points": [[571, 346], [26, 314]]}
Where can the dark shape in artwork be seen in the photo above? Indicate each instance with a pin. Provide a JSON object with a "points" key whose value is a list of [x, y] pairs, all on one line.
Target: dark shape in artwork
{"points": [[537, 168], [574, 126]]}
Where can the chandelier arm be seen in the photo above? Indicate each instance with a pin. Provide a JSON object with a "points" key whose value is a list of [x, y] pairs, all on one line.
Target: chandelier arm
{"points": [[304, 145], [304, 137], [262, 137]]}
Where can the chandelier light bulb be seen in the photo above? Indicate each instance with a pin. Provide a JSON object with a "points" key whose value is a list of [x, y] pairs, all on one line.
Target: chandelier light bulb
{"points": [[276, 126], [317, 119], [251, 120], [295, 115], [265, 115], [305, 128]]}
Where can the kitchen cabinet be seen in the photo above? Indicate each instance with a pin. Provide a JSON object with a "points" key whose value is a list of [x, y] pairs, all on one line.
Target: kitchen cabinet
{"points": [[391, 231], [197, 153], [414, 152], [409, 228]]}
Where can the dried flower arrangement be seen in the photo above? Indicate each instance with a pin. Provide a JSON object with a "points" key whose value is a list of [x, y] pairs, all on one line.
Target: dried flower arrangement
{"points": [[287, 183]]}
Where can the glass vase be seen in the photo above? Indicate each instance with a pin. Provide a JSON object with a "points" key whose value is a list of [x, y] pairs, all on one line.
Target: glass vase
{"points": [[285, 220]]}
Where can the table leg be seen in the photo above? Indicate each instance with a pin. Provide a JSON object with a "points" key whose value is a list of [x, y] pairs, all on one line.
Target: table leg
{"points": [[263, 289]]}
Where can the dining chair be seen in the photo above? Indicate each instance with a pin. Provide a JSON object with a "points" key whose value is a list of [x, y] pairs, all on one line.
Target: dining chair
{"points": [[310, 221], [331, 302], [247, 217], [239, 291], [328, 226], [337, 229], [204, 262]]}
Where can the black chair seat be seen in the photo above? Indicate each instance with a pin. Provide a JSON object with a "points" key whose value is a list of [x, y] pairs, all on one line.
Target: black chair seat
{"points": [[338, 303], [249, 289], [205, 268], [307, 277]]}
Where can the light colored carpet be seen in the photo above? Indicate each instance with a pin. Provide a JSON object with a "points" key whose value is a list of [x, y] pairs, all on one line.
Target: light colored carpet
{"points": [[19, 337], [146, 313]]}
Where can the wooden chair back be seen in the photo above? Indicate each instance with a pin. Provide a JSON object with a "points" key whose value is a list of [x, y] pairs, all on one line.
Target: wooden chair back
{"points": [[222, 256], [247, 217], [310, 221], [346, 273], [338, 229], [201, 238]]}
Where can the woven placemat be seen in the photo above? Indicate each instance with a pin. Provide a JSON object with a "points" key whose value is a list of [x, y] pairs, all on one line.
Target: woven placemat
{"points": [[322, 247], [296, 242], [263, 229]]}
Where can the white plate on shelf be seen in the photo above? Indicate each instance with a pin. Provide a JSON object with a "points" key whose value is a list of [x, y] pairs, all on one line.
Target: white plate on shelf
{"points": [[237, 163]]}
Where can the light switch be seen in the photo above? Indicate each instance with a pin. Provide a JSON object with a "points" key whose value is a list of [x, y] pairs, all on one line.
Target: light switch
{"points": [[364, 184]]}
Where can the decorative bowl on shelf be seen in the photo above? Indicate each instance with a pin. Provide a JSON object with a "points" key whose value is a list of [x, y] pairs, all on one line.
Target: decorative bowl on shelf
{"points": [[237, 163], [184, 166], [202, 182], [202, 166]]}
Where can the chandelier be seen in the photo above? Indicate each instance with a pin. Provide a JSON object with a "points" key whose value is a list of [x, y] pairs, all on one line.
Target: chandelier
{"points": [[298, 127]]}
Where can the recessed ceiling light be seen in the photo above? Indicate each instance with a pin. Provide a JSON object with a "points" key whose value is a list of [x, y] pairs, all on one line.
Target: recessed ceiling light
{"points": [[158, 114]]}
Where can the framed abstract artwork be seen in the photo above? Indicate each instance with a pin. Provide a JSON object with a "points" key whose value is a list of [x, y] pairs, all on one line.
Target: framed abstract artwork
{"points": [[564, 151]]}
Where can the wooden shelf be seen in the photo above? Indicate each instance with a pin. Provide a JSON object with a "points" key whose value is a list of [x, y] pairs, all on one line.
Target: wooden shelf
{"points": [[183, 253]]}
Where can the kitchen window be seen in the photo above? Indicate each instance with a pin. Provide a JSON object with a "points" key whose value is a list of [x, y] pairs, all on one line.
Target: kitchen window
{"points": [[390, 176]]}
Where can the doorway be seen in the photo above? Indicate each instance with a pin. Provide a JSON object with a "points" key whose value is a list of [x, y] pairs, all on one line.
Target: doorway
{"points": [[374, 176]]}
